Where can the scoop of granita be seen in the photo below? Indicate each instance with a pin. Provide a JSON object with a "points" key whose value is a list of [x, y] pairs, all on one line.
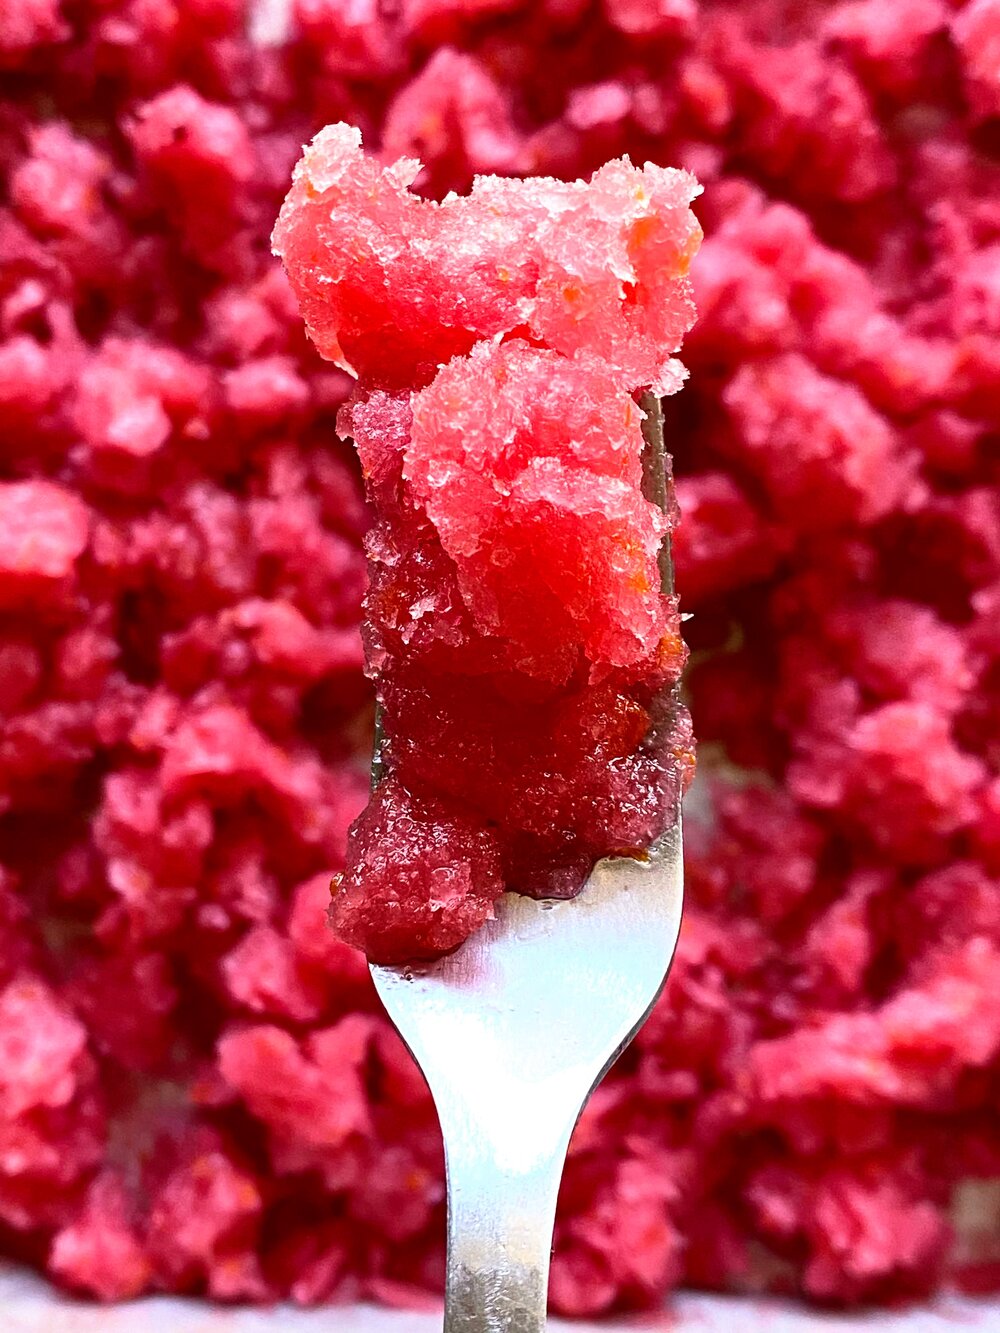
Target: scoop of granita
{"points": [[392, 286], [517, 630]]}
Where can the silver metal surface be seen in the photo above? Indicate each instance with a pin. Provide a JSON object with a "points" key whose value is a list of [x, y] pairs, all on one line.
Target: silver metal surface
{"points": [[513, 1031]]}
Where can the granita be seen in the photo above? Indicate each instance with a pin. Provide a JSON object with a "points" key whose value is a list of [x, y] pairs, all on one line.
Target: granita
{"points": [[522, 648], [198, 1092]]}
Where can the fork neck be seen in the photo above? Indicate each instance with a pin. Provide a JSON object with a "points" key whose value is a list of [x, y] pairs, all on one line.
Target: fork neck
{"points": [[499, 1247], [501, 1214]]}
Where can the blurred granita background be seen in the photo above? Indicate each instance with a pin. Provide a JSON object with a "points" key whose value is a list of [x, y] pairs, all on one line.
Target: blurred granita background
{"points": [[197, 1090]]}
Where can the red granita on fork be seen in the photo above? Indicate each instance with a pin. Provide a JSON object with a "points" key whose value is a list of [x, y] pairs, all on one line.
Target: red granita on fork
{"points": [[517, 634]]}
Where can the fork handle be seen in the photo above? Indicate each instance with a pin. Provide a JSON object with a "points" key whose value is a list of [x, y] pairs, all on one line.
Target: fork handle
{"points": [[500, 1223]]}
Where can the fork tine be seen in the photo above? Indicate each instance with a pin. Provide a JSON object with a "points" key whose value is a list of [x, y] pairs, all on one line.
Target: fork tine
{"points": [[657, 477]]}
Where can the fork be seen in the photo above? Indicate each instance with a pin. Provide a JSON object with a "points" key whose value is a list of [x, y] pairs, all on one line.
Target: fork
{"points": [[515, 1029]]}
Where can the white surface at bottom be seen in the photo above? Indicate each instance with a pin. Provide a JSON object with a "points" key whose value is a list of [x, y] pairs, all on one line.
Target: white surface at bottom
{"points": [[29, 1305]]}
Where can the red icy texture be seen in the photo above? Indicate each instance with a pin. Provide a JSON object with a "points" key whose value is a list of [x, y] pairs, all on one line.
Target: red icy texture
{"points": [[196, 1092], [445, 872], [25, 24], [43, 531], [519, 640], [393, 286]]}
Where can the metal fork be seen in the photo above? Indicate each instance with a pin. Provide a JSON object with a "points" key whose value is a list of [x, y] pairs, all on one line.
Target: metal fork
{"points": [[515, 1029]]}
